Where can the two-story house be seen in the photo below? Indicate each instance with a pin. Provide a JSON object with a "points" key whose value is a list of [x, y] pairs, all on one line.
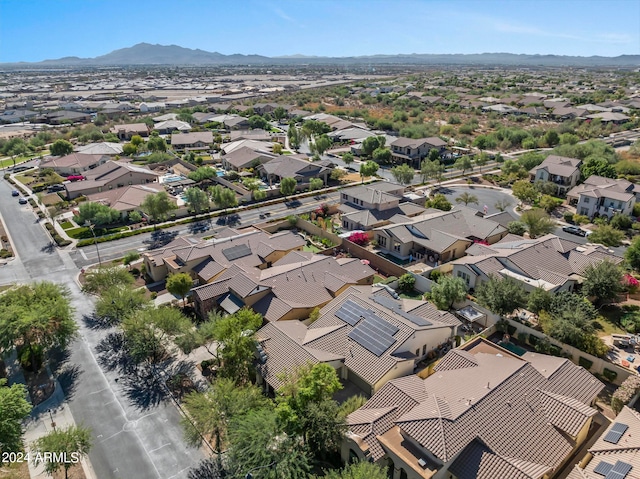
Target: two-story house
{"points": [[600, 196], [413, 151], [366, 207], [562, 171]]}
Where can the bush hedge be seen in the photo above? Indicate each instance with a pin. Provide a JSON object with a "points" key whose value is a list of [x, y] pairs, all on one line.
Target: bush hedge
{"points": [[585, 363], [609, 375], [60, 241]]}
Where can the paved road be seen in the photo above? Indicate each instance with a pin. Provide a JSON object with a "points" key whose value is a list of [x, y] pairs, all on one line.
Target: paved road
{"points": [[129, 441], [489, 197], [142, 242]]}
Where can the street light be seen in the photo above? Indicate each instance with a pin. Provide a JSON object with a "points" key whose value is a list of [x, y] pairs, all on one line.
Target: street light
{"points": [[95, 240]]}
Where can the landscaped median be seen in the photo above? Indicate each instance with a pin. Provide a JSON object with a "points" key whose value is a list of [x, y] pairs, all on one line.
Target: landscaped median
{"points": [[60, 241]]}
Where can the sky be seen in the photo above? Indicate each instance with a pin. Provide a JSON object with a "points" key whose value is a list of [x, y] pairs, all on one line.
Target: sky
{"points": [[35, 30]]}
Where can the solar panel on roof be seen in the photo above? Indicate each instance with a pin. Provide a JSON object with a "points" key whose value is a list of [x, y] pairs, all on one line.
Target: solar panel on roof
{"points": [[603, 468], [615, 433], [350, 312], [235, 252], [370, 336], [618, 471], [380, 323]]}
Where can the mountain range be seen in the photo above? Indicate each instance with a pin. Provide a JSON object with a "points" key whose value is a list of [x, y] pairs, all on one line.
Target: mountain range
{"points": [[148, 54]]}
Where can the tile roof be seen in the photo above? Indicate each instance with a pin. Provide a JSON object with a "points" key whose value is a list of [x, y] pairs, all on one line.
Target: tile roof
{"points": [[74, 160], [515, 412], [128, 197], [559, 165]]}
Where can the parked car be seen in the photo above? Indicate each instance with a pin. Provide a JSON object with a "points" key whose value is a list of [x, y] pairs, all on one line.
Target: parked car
{"points": [[574, 230], [15, 193], [23, 201]]}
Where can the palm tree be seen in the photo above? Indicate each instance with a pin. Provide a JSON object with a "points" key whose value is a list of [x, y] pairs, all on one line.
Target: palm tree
{"points": [[467, 198]]}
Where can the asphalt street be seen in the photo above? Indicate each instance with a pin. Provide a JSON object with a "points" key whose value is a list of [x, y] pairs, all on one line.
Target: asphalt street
{"points": [[131, 439]]}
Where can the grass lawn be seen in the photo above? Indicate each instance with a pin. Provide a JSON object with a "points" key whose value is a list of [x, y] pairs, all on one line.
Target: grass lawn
{"points": [[311, 248], [413, 294], [377, 279], [21, 159], [610, 321], [25, 178], [66, 225]]}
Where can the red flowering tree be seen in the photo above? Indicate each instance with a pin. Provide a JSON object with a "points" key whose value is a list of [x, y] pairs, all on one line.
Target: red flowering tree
{"points": [[359, 237], [630, 283]]}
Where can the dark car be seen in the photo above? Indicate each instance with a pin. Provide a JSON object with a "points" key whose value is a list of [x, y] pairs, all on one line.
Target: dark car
{"points": [[23, 201], [574, 230], [15, 193]]}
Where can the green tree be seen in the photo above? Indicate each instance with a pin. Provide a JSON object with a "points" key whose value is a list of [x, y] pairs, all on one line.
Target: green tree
{"points": [[403, 174], [14, 408], [621, 222], [431, 170], [549, 203], [61, 148], [502, 205], [551, 138], [211, 411], [358, 470], [607, 235], [129, 149], [632, 254], [256, 121], [353, 403], [258, 444], [597, 166], [448, 290], [315, 184], [525, 191], [368, 168], [179, 284], [463, 163], [294, 137], [156, 143], [158, 206], [37, 316], [130, 257], [481, 160], [538, 222], [149, 333], [467, 198], [602, 281], [202, 173], [347, 158], [501, 295], [136, 140], [381, 155], [224, 198], [406, 282], [369, 145], [539, 300], [323, 428], [235, 334], [99, 279], [439, 202], [69, 441], [321, 144], [117, 302], [97, 214], [517, 228], [279, 113], [288, 186], [197, 199]]}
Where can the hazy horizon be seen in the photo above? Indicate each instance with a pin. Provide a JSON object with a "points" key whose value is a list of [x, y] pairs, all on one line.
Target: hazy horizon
{"points": [[329, 28]]}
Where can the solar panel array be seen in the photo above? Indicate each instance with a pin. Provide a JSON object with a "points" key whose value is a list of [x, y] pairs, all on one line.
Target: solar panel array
{"points": [[394, 306], [235, 252], [616, 432], [618, 471], [603, 468], [350, 312], [373, 335]]}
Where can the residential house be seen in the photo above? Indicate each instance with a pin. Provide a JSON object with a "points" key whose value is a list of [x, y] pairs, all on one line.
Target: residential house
{"points": [[17, 116], [125, 132], [549, 262], [438, 236], [151, 107], [366, 333], [610, 117], [289, 288], [196, 141], [169, 126], [73, 164], [65, 117], [600, 196], [484, 413], [562, 171], [206, 260], [110, 175], [285, 166], [568, 113], [245, 157], [102, 148], [615, 451], [366, 207], [413, 151], [129, 198]]}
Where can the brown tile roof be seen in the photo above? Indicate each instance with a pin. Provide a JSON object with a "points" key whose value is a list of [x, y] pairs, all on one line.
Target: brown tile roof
{"points": [[505, 402]]}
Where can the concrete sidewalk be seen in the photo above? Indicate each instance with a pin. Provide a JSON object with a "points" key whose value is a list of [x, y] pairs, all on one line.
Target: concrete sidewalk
{"points": [[46, 417]]}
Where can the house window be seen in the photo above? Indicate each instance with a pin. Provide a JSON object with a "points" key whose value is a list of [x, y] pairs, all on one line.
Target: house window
{"points": [[344, 196], [424, 349], [396, 247], [585, 200], [382, 241], [418, 352], [345, 224]]}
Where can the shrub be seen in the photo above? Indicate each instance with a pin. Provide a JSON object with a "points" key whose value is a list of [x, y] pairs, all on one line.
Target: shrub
{"points": [[568, 217], [533, 340], [406, 282], [585, 363], [623, 395], [609, 375], [389, 280], [359, 237]]}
